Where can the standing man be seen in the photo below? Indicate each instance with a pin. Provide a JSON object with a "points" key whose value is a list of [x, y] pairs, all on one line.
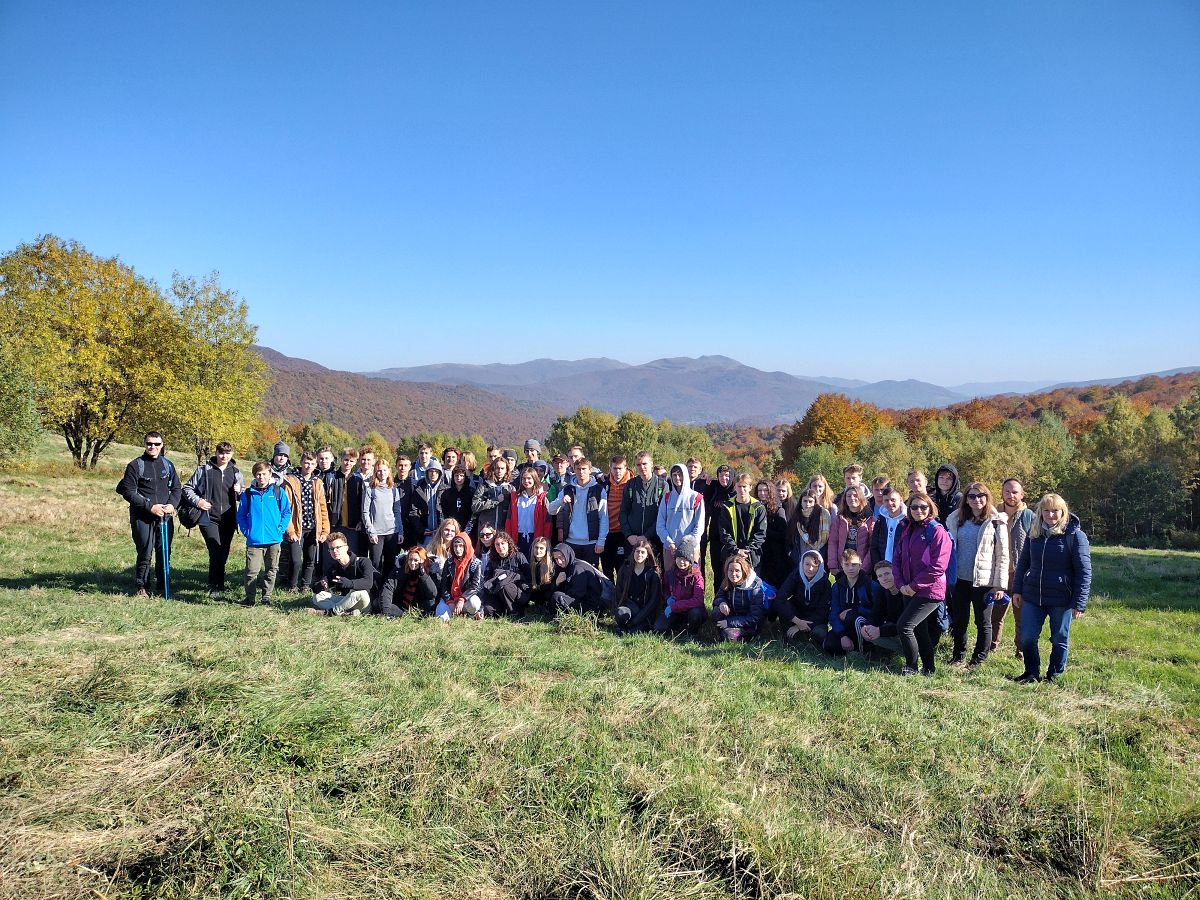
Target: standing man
{"points": [[586, 505], [344, 512], [424, 458], [743, 524], [533, 458], [215, 488], [280, 462], [639, 505], [615, 546], [151, 488], [702, 485], [309, 525], [1020, 520]]}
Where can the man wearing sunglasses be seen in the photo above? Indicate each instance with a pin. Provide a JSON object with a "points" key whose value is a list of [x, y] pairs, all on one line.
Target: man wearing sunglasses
{"points": [[152, 489]]}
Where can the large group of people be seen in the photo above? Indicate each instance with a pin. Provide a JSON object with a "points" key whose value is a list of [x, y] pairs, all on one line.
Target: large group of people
{"points": [[871, 569]]}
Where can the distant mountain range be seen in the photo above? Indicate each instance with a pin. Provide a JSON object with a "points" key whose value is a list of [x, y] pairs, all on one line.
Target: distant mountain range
{"points": [[683, 389], [509, 402]]}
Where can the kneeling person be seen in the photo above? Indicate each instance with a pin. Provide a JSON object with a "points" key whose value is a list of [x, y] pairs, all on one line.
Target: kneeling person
{"points": [[685, 592]]}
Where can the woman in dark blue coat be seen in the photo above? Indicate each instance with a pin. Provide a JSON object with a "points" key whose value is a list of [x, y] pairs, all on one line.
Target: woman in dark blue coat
{"points": [[1051, 581]]}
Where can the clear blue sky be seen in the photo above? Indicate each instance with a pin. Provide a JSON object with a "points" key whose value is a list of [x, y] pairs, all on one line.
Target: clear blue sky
{"points": [[1019, 183]]}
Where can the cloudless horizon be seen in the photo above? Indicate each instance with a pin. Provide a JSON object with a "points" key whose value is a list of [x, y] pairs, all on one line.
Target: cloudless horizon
{"points": [[999, 193]]}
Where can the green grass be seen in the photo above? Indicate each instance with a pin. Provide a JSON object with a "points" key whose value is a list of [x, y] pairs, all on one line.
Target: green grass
{"points": [[198, 749]]}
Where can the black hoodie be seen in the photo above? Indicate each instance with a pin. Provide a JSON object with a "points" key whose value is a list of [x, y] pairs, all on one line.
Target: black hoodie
{"points": [[947, 501], [578, 580]]}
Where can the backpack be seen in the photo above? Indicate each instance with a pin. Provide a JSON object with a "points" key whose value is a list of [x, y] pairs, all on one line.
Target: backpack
{"points": [[190, 515], [141, 471]]}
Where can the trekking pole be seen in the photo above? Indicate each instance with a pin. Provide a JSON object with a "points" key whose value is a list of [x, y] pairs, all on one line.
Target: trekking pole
{"points": [[165, 550]]}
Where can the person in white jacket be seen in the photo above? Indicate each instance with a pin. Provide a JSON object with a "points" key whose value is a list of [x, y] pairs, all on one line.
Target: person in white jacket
{"points": [[680, 514]]}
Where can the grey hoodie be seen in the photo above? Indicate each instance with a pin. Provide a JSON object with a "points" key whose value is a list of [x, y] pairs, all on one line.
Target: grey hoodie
{"points": [[680, 513]]}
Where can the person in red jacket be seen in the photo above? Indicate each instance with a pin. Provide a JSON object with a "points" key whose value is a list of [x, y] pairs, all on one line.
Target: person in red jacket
{"points": [[528, 512]]}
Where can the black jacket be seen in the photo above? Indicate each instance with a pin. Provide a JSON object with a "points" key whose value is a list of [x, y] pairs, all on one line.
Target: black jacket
{"points": [[357, 575], [456, 504], [505, 582], [578, 580], [472, 582], [392, 592], [148, 482], [641, 594], [423, 495], [489, 504], [734, 538], [639, 506], [794, 600], [947, 501]]}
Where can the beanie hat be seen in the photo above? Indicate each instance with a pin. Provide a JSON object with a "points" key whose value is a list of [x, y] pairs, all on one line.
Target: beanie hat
{"points": [[531, 444], [283, 448], [687, 549]]}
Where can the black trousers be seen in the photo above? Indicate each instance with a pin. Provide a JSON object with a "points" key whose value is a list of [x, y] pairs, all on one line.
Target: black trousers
{"points": [[149, 548], [967, 597], [689, 620], [302, 556], [383, 554], [218, 538], [586, 552], [917, 627], [616, 551]]}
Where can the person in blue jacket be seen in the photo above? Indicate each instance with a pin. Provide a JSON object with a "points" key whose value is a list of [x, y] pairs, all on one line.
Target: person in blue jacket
{"points": [[263, 516], [1051, 581], [738, 606]]}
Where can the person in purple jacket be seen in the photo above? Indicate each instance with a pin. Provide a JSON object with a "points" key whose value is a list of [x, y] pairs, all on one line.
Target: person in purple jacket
{"points": [[921, 554]]}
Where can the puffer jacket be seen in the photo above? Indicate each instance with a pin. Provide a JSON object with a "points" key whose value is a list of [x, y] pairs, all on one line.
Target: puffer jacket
{"points": [[920, 557], [745, 603], [1055, 569], [991, 556]]}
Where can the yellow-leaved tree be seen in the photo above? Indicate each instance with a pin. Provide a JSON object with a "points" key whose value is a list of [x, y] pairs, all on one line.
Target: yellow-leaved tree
{"points": [[110, 354], [219, 379], [89, 332]]}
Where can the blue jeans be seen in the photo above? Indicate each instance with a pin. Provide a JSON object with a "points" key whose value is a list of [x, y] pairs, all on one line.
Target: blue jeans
{"points": [[1032, 619]]}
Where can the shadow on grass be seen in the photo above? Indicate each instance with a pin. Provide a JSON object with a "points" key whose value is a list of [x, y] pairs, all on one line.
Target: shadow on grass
{"points": [[187, 585]]}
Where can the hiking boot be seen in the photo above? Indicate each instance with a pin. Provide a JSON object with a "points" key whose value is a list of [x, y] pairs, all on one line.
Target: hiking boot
{"points": [[976, 662], [142, 593], [908, 672], [928, 673], [1026, 679], [960, 660]]}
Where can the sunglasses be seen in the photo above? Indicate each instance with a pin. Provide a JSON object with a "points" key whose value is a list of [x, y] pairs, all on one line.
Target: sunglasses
{"points": [[153, 443], [919, 507], [974, 496]]}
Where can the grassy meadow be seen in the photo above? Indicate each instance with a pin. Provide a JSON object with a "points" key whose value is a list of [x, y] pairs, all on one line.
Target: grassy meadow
{"points": [[200, 749]]}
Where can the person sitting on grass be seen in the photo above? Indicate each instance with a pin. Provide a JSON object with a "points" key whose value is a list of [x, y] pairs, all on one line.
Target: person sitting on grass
{"points": [[851, 601], [541, 577], [684, 583], [878, 631], [738, 606], [803, 601], [505, 578], [345, 588], [639, 594], [461, 582], [263, 516], [408, 587], [577, 584]]}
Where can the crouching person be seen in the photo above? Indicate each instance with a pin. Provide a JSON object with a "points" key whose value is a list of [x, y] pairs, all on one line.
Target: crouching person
{"points": [[639, 591], [851, 601], [409, 586], [738, 606], [685, 592], [505, 578], [345, 588], [577, 584], [803, 601], [878, 632], [461, 582]]}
